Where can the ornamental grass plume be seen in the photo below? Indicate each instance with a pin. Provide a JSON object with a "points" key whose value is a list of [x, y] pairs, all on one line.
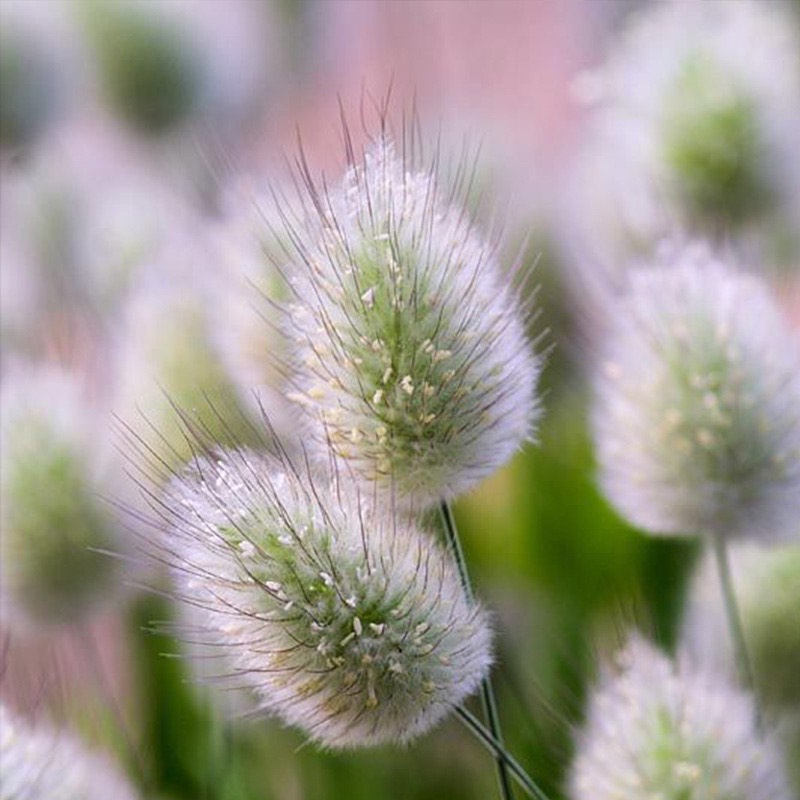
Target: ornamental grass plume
{"points": [[697, 404], [657, 729], [43, 764], [55, 528], [345, 622], [697, 122], [410, 356]]}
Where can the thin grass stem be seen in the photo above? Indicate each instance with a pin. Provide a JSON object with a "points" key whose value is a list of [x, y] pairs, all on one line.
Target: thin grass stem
{"points": [[484, 736], [733, 615], [487, 691]]}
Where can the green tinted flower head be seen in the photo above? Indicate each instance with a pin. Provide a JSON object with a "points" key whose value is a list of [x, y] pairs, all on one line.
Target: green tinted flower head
{"points": [[661, 730], [696, 125], [56, 527], [697, 412], [344, 621], [150, 67], [411, 358]]}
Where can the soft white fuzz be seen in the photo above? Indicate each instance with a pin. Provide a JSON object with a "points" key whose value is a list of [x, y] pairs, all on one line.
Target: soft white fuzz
{"points": [[660, 730], [43, 764], [53, 519], [349, 624], [411, 356], [697, 404]]}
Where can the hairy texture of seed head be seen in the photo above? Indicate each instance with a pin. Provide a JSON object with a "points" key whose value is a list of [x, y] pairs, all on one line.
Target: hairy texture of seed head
{"points": [[53, 521], [698, 115], [768, 593], [660, 730], [697, 408], [43, 764], [412, 362], [352, 628]]}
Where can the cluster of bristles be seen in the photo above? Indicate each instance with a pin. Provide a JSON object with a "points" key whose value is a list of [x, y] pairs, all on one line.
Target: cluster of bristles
{"points": [[410, 359], [345, 621], [412, 379], [697, 418]]}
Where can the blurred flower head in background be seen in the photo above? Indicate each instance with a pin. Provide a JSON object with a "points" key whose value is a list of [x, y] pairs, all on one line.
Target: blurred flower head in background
{"points": [[697, 414], [43, 763], [410, 351], [344, 621], [660, 729]]}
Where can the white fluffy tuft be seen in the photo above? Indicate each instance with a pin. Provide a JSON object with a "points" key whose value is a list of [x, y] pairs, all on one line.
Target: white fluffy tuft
{"points": [[411, 357], [697, 409], [42, 764], [660, 730], [347, 624]]}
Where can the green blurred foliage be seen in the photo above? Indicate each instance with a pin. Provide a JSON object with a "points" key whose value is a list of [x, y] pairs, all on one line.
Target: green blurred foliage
{"points": [[149, 68]]}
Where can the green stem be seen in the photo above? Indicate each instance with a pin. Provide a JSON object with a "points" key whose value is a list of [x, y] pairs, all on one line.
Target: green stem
{"points": [[487, 692], [518, 772], [743, 662]]}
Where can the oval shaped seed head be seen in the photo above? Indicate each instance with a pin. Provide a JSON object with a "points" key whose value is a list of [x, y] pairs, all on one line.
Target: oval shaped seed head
{"points": [[43, 764], [698, 115], [767, 585], [662, 730], [697, 404], [353, 628], [54, 524], [411, 358]]}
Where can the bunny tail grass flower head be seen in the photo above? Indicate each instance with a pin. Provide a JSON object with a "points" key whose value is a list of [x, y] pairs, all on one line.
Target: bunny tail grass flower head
{"points": [[768, 591], [411, 357], [43, 764], [698, 118], [697, 404], [346, 623], [55, 527], [662, 730]]}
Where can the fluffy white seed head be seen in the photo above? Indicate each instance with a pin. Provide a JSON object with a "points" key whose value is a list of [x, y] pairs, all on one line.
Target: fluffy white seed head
{"points": [[53, 520], [698, 119], [43, 764], [411, 357], [350, 626], [660, 730], [767, 582], [697, 408]]}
